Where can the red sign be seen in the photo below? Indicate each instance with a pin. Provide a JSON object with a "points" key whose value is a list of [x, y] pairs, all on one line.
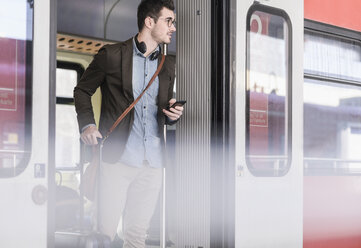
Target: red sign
{"points": [[260, 22], [8, 74], [258, 110], [258, 123]]}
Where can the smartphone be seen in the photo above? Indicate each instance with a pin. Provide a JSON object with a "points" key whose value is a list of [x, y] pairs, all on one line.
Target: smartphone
{"points": [[177, 103]]}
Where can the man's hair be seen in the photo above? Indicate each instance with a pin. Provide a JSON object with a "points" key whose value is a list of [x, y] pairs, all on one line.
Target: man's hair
{"points": [[152, 8]]}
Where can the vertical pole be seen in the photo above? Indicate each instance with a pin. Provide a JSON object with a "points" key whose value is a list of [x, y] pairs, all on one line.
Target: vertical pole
{"points": [[165, 49], [162, 216]]}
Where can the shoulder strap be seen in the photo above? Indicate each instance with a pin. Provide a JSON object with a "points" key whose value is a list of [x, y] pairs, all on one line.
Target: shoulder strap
{"points": [[131, 106]]}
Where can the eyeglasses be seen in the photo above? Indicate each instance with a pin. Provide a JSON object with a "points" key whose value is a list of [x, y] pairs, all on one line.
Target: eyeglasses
{"points": [[169, 21]]}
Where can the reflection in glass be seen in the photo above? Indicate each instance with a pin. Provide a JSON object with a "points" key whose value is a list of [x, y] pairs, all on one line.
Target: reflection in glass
{"points": [[15, 84], [267, 94], [332, 117], [332, 128]]}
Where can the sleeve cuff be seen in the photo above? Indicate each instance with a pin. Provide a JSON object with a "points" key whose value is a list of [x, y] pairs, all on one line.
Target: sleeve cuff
{"points": [[169, 121], [85, 127]]}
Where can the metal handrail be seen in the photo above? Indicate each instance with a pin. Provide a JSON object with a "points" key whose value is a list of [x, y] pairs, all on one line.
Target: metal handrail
{"points": [[336, 164], [267, 157], [332, 160]]}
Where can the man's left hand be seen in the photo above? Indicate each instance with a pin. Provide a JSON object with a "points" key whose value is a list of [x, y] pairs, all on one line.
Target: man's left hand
{"points": [[173, 113]]}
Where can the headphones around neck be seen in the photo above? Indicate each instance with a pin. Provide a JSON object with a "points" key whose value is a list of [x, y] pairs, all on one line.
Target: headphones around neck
{"points": [[142, 47]]}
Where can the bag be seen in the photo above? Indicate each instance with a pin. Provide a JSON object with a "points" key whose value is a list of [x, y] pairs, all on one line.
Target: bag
{"points": [[67, 207], [88, 179]]}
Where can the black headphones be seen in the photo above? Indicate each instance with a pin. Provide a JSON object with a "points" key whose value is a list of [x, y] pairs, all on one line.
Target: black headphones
{"points": [[142, 47]]}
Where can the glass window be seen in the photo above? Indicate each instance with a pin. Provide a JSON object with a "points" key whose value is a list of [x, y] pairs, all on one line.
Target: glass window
{"points": [[16, 28], [268, 101], [332, 105], [67, 137], [67, 79], [332, 56], [67, 141]]}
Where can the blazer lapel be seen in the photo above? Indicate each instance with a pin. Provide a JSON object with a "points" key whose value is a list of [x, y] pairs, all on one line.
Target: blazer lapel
{"points": [[127, 69]]}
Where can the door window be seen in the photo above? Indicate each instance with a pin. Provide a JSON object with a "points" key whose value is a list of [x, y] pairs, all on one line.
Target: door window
{"points": [[16, 30], [67, 143], [268, 88]]}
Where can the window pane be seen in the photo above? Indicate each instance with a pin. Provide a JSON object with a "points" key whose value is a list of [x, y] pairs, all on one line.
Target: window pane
{"points": [[66, 80], [15, 85], [332, 57], [332, 128], [67, 137], [268, 79]]}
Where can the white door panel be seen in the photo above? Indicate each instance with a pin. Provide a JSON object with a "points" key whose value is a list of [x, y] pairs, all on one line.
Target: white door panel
{"points": [[269, 208], [23, 207]]}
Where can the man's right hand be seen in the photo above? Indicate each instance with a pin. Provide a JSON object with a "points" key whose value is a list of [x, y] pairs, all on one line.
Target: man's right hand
{"points": [[89, 135]]}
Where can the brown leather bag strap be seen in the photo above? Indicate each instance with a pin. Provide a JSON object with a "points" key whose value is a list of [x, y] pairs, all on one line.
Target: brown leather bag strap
{"points": [[120, 118]]}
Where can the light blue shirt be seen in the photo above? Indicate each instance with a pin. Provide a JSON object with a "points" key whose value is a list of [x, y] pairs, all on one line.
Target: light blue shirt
{"points": [[144, 142]]}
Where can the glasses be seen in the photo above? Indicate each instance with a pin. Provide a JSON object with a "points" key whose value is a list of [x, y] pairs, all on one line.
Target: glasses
{"points": [[169, 21]]}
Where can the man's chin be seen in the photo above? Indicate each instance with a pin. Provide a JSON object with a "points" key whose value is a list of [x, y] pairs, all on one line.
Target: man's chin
{"points": [[168, 40]]}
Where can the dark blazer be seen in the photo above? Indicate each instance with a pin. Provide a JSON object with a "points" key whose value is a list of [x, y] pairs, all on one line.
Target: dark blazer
{"points": [[111, 70]]}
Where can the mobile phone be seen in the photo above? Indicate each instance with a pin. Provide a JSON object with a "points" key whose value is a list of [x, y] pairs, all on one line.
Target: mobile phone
{"points": [[177, 103]]}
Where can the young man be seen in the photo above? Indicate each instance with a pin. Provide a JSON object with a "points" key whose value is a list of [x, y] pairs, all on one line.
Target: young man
{"points": [[133, 155]]}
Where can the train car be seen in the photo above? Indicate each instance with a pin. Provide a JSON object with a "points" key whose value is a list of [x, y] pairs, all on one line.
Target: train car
{"points": [[265, 155], [332, 54]]}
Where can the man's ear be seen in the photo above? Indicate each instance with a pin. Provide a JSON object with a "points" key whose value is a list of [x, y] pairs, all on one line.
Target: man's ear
{"points": [[148, 22]]}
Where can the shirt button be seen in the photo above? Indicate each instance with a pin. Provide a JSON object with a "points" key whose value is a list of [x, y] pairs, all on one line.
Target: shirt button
{"points": [[145, 139], [145, 107]]}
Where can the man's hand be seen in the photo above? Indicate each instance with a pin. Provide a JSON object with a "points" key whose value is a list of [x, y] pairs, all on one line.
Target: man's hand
{"points": [[89, 135], [173, 113]]}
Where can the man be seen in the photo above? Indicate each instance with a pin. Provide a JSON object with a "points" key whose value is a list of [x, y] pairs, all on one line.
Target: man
{"points": [[133, 154]]}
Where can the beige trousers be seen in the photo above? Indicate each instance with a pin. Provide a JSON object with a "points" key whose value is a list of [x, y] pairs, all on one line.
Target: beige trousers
{"points": [[127, 200]]}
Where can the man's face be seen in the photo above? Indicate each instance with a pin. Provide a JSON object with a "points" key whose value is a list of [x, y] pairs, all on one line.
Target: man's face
{"points": [[164, 27]]}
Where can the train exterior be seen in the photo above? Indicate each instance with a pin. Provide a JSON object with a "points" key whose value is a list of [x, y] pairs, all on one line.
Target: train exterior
{"points": [[332, 162], [267, 152]]}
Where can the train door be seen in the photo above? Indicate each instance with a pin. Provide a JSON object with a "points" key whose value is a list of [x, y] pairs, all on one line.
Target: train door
{"points": [[25, 117], [268, 123]]}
